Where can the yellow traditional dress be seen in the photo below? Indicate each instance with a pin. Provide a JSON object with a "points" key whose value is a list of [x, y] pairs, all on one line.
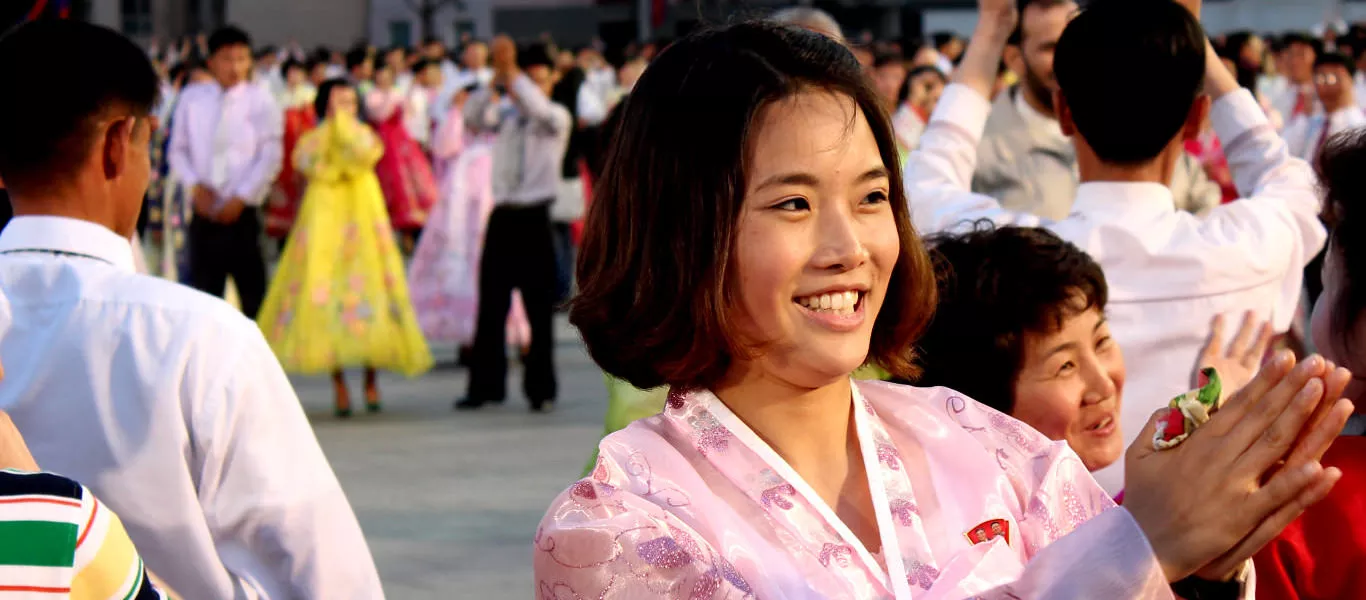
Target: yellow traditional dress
{"points": [[339, 297]]}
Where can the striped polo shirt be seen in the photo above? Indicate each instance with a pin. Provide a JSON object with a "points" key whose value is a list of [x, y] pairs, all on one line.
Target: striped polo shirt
{"points": [[58, 541]]}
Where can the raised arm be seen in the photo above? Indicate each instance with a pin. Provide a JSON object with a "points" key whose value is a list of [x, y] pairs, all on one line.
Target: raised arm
{"points": [[1275, 229], [535, 104], [289, 516], [481, 111], [939, 173], [268, 123]]}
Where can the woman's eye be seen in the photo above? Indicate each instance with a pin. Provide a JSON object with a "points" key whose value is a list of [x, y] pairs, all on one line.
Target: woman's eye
{"points": [[875, 198], [793, 204], [1104, 343], [1066, 368]]}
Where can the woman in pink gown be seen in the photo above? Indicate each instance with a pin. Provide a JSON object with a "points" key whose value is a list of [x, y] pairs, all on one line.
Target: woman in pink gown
{"points": [[750, 246], [444, 274], [405, 175]]}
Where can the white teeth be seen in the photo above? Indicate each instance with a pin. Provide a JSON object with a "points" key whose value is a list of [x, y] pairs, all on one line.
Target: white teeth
{"points": [[844, 303]]}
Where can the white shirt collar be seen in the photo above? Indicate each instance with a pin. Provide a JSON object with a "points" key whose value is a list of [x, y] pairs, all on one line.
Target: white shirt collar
{"points": [[1122, 198], [1036, 120], [66, 235]]}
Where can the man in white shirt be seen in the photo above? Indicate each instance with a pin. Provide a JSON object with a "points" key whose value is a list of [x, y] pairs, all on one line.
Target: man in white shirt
{"points": [[1297, 56], [1130, 96], [163, 400], [1333, 83], [1025, 161], [532, 134], [226, 146]]}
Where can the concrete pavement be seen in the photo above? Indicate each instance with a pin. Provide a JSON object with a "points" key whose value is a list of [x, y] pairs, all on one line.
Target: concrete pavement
{"points": [[450, 501]]}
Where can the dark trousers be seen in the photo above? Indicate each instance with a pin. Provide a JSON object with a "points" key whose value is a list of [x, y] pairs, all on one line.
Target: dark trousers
{"points": [[217, 251], [518, 254], [564, 261]]}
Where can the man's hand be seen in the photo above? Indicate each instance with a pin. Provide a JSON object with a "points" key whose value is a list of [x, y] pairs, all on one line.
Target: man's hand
{"points": [[503, 57], [1192, 5], [1237, 363], [204, 199], [231, 211]]}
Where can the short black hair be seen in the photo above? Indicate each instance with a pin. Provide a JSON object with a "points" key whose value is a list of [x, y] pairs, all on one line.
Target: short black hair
{"points": [[290, 64], [1330, 59], [265, 51], [942, 38], [324, 97], [1340, 165], [995, 286], [1295, 37], [537, 54], [45, 137], [423, 64], [356, 57], [1129, 71], [886, 56], [227, 36]]}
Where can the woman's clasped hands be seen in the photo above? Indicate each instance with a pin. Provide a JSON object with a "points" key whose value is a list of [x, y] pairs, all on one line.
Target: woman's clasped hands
{"points": [[1209, 504]]}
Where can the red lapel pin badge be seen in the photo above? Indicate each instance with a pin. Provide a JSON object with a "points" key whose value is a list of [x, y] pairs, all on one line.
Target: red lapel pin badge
{"points": [[989, 530]]}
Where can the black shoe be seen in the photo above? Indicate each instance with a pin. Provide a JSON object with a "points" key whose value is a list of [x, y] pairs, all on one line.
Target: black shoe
{"points": [[468, 403], [542, 406]]}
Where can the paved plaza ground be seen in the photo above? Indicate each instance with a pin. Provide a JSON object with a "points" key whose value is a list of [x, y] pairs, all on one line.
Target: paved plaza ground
{"points": [[450, 501]]}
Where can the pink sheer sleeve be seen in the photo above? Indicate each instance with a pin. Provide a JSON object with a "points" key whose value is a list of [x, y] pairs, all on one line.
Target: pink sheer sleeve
{"points": [[600, 541]]}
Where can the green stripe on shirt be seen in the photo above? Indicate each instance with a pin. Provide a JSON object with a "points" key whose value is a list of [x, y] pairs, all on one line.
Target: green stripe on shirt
{"points": [[37, 543]]}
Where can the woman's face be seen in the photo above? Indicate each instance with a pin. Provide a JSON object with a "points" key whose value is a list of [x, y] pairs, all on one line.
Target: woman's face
{"points": [[384, 78], [343, 103], [817, 240], [1070, 387]]}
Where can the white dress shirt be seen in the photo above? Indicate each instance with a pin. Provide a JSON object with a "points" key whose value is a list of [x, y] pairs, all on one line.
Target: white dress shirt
{"points": [[230, 140], [1169, 272], [170, 405], [1306, 134], [532, 135]]}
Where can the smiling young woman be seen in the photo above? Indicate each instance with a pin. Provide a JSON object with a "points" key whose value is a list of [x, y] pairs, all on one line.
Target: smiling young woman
{"points": [[750, 246]]}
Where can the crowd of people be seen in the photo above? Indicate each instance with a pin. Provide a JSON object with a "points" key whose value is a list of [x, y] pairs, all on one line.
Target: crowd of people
{"points": [[878, 320]]}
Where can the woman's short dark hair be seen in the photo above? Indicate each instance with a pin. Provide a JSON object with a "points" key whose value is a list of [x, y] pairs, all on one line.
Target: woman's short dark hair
{"points": [[657, 283], [995, 286], [323, 99], [1340, 166]]}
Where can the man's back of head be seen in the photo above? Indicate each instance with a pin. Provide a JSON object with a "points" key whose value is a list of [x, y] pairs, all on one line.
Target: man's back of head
{"points": [[79, 149], [1130, 73]]}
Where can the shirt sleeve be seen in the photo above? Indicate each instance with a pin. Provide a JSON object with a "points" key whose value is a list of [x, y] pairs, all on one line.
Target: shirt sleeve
{"points": [[178, 155], [591, 109], [266, 487], [536, 105], [939, 172], [481, 112], [268, 122], [1277, 222]]}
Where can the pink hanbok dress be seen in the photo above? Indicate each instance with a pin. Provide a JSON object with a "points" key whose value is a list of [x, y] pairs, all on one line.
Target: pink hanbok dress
{"points": [[444, 274], [691, 503], [405, 175]]}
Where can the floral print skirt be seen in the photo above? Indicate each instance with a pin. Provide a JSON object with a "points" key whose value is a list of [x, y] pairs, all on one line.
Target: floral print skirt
{"points": [[339, 297]]}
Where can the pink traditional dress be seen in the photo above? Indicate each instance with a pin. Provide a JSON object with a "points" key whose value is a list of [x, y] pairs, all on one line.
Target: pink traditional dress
{"points": [[691, 503], [404, 174], [444, 274]]}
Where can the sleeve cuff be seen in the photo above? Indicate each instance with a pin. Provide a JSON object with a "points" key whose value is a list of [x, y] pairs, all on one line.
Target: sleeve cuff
{"points": [[1235, 113], [964, 108], [523, 85]]}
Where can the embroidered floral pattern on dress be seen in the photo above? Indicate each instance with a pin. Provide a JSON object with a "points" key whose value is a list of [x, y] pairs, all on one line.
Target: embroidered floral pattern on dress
{"points": [[921, 575], [774, 496], [886, 454], [902, 511], [836, 553]]}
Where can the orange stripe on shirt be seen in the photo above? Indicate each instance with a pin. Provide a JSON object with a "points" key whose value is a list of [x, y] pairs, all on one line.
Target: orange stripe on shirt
{"points": [[73, 503], [29, 588], [86, 531]]}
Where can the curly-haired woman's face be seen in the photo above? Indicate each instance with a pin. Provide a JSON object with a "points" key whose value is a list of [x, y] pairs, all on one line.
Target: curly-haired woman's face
{"points": [[817, 239], [1070, 385]]}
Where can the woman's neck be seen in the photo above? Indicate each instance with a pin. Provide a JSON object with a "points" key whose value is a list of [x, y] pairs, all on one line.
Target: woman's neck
{"points": [[812, 429]]}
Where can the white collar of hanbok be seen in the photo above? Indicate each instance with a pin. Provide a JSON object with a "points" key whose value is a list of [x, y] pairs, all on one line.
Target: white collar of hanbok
{"points": [[878, 452]]}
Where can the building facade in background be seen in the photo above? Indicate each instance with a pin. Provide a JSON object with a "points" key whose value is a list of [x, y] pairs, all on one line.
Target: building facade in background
{"points": [[334, 23]]}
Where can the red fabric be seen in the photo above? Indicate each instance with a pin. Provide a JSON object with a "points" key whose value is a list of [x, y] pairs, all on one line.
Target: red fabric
{"points": [[576, 228], [404, 174], [289, 186], [657, 12], [1301, 104], [1210, 153], [1322, 555]]}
